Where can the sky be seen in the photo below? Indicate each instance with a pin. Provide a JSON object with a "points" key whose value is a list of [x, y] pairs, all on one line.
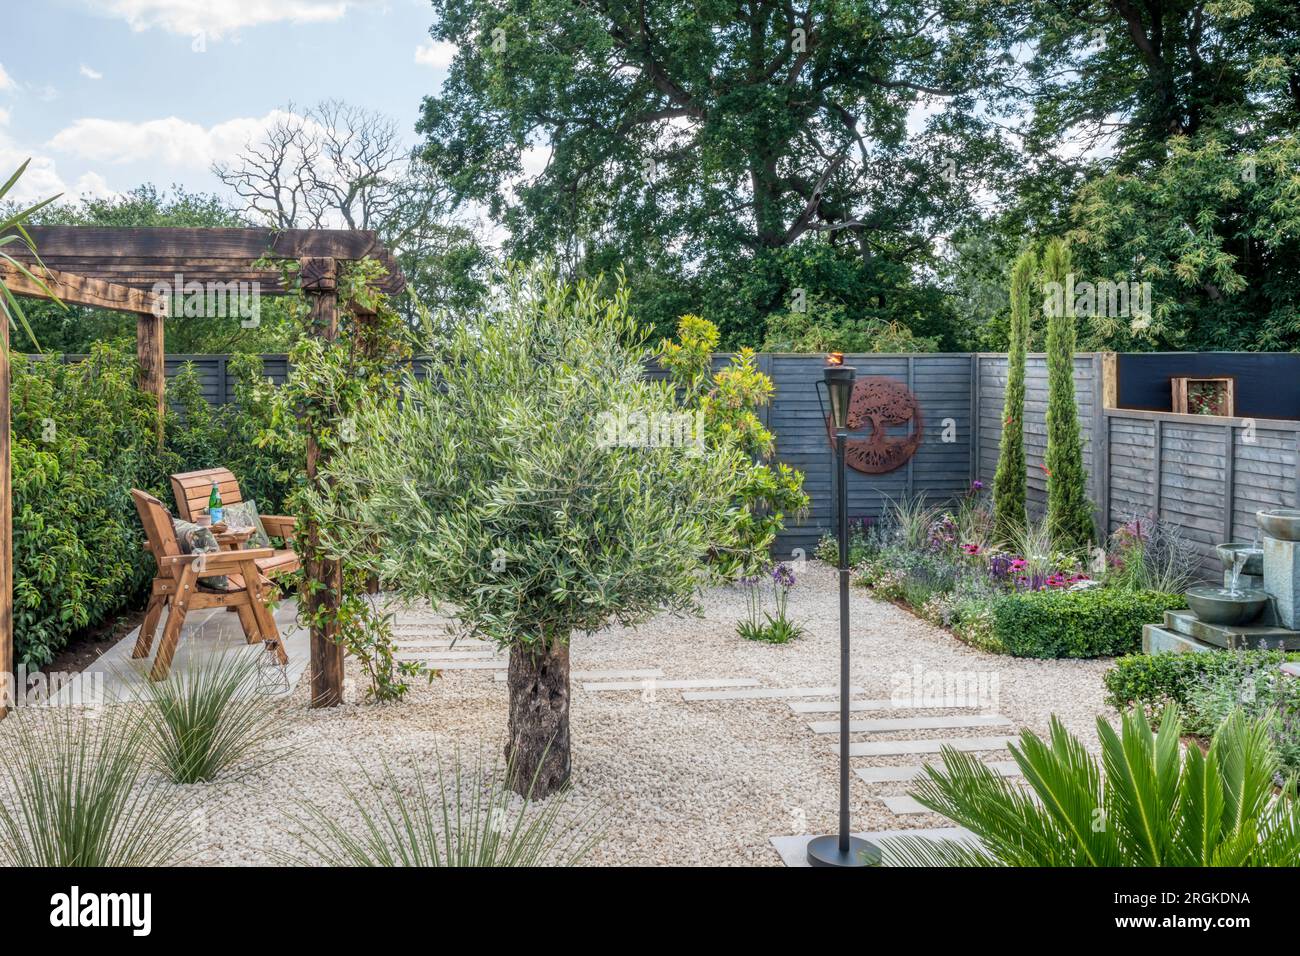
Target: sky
{"points": [[104, 95]]}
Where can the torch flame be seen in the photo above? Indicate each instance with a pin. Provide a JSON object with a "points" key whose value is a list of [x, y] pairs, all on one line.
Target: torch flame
{"points": [[835, 358]]}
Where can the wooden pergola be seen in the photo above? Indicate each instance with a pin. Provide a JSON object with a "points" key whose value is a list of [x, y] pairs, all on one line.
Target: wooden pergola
{"points": [[120, 269]]}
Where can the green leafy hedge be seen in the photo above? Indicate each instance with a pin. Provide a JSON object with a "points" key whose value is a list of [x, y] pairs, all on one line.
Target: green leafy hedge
{"points": [[83, 436], [1154, 680], [1097, 622]]}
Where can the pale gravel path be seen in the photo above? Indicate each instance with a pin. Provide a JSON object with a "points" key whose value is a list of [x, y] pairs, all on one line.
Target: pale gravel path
{"points": [[682, 783]]}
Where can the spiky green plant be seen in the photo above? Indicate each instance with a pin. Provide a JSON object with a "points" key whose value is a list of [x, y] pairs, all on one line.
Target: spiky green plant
{"points": [[1067, 483], [1010, 479], [472, 820], [13, 233], [1152, 806], [208, 717], [910, 519], [74, 791]]}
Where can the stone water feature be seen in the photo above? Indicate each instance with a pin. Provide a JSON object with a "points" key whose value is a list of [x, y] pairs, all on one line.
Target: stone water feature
{"points": [[1258, 605]]}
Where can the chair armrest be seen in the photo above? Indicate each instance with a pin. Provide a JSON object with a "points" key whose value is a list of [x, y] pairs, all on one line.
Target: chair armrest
{"points": [[279, 526], [215, 562]]}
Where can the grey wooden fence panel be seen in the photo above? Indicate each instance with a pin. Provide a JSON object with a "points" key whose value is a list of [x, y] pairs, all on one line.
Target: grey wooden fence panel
{"points": [[940, 469], [1204, 477]]}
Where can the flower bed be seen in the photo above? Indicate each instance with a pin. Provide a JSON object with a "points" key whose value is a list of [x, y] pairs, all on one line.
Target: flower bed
{"points": [[1024, 598]]}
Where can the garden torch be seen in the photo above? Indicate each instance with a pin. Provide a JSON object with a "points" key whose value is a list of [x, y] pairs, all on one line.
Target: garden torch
{"points": [[842, 849]]}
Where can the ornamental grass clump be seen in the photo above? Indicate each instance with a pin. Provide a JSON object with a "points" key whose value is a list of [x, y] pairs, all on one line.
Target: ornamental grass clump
{"points": [[464, 819], [75, 790], [208, 718]]}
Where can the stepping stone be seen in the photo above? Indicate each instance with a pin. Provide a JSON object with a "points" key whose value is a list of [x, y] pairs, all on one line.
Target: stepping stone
{"points": [[651, 683], [761, 693], [1003, 768], [609, 674], [880, 724], [445, 655], [888, 748], [903, 805], [445, 643], [469, 665], [794, 849], [833, 706]]}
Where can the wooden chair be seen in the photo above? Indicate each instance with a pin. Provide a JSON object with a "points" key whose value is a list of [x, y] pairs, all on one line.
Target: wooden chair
{"points": [[192, 489], [178, 590]]}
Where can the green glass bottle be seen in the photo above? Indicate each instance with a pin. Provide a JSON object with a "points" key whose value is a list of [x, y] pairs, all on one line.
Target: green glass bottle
{"points": [[214, 504]]}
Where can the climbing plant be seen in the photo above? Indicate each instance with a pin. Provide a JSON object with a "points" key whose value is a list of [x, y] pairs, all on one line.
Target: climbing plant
{"points": [[331, 379]]}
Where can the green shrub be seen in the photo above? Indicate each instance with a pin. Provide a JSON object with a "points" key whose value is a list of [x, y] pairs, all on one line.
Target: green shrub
{"points": [[1263, 693], [201, 435], [1010, 480], [83, 436], [1097, 622], [1154, 680]]}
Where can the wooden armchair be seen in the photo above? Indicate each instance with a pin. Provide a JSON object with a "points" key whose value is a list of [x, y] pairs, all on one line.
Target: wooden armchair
{"points": [[192, 489], [178, 589]]}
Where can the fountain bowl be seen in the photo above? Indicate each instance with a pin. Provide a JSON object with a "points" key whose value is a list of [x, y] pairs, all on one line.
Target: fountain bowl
{"points": [[1280, 523], [1251, 556], [1221, 606]]}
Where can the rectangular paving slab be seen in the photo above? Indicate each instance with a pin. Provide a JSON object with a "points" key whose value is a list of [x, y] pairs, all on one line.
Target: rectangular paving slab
{"points": [[902, 804], [432, 656], [607, 674], [885, 748], [761, 693], [833, 706], [656, 684], [793, 850], [1003, 768], [469, 665], [880, 724]]}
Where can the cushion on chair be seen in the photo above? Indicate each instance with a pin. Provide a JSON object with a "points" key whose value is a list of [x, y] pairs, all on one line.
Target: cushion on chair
{"points": [[196, 539], [244, 513]]}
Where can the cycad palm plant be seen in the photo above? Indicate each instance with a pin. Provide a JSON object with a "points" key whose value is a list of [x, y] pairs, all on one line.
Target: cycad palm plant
{"points": [[1147, 803]]}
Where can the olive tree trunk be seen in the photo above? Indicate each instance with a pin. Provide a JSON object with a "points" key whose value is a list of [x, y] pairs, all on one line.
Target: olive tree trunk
{"points": [[538, 750]]}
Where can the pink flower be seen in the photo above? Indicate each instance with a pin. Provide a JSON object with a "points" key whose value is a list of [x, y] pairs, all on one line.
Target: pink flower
{"points": [[971, 548]]}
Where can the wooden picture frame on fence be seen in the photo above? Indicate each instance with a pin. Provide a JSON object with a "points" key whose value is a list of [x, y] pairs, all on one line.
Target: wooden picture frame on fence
{"points": [[1193, 395]]}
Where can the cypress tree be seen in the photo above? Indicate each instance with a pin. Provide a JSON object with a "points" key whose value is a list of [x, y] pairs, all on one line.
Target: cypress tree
{"points": [[1069, 513], [1009, 482]]}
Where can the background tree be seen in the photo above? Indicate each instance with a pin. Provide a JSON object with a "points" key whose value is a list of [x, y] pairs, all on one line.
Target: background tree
{"points": [[1069, 515], [1009, 482], [338, 166], [727, 154], [494, 486]]}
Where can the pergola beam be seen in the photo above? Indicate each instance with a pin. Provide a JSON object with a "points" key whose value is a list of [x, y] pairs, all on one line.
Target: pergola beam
{"points": [[78, 290]]}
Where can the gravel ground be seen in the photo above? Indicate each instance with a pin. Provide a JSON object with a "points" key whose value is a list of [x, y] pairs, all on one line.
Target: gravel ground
{"points": [[676, 782]]}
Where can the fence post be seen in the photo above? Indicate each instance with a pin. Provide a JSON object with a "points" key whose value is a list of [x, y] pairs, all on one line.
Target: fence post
{"points": [[1157, 468], [1229, 480], [974, 417], [1100, 442]]}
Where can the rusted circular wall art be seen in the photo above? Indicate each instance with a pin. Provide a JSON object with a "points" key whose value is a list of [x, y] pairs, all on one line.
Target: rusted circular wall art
{"points": [[878, 403]]}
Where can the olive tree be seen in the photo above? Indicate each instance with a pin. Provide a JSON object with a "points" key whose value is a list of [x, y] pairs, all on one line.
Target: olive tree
{"points": [[537, 484]]}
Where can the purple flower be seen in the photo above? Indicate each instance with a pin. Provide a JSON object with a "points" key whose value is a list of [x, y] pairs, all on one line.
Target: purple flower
{"points": [[783, 575], [977, 486]]}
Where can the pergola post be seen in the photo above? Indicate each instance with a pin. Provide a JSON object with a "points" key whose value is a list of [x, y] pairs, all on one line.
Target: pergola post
{"points": [[150, 353], [324, 577], [8, 687]]}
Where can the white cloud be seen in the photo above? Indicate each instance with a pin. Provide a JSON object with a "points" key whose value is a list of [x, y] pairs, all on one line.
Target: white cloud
{"points": [[435, 53], [4, 117], [214, 18], [91, 74], [172, 141], [6, 81]]}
